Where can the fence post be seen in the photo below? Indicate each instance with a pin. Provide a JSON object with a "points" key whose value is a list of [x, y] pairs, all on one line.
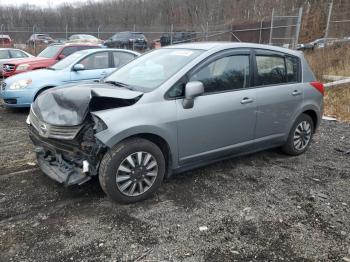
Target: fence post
{"points": [[260, 33], [34, 42], [2, 32], [328, 20], [207, 31], [171, 34], [297, 32], [271, 28], [66, 31], [98, 31], [133, 42]]}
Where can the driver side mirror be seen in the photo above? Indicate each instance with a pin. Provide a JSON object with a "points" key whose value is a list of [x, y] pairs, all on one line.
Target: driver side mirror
{"points": [[78, 67], [192, 90], [60, 57]]}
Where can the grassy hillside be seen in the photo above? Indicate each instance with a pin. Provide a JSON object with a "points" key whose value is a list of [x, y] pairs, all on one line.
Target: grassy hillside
{"points": [[333, 61]]}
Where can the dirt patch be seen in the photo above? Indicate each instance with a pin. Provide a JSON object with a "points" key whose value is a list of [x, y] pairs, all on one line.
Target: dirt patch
{"points": [[262, 207]]}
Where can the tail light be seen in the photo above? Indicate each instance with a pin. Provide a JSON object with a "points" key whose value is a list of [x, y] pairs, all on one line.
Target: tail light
{"points": [[319, 86]]}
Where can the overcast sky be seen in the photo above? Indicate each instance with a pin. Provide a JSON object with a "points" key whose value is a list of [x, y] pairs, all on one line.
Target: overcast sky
{"points": [[40, 3]]}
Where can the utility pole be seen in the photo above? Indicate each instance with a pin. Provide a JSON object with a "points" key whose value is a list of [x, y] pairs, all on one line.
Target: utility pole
{"points": [[271, 28], [297, 32], [171, 34], [330, 10]]}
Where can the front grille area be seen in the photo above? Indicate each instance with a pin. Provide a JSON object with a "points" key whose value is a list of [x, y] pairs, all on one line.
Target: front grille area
{"points": [[8, 67], [53, 131]]}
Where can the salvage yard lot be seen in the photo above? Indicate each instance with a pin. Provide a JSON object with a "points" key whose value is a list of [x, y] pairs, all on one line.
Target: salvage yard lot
{"points": [[265, 206]]}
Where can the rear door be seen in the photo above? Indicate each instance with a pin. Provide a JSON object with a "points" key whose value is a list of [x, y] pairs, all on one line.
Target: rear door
{"points": [[222, 120], [279, 94], [97, 65]]}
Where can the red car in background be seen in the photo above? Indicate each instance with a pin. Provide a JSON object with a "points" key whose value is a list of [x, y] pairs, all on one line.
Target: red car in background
{"points": [[48, 57], [6, 41]]}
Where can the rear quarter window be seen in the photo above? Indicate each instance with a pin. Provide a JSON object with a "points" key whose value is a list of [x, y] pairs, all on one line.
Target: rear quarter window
{"points": [[293, 69]]}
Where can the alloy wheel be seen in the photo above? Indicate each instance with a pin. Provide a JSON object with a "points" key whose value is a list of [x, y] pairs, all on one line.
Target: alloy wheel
{"points": [[302, 135], [136, 173]]}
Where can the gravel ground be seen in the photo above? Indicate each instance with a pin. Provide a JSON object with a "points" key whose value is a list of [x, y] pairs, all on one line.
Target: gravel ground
{"points": [[266, 207]]}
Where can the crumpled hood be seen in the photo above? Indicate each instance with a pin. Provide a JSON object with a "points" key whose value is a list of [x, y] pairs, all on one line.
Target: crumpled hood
{"points": [[69, 105]]}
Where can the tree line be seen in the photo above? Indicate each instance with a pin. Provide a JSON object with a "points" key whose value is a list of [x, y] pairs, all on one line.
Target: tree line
{"points": [[119, 14]]}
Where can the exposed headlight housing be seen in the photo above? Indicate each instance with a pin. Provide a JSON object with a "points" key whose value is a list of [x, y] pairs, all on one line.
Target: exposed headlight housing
{"points": [[99, 124], [22, 67], [20, 84]]}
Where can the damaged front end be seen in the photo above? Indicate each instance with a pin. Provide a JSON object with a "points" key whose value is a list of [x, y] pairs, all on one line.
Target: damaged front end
{"points": [[69, 155], [62, 128]]}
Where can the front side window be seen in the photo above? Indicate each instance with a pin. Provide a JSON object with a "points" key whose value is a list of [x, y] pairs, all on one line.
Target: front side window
{"points": [[271, 70], [96, 61], [227, 73], [17, 54]]}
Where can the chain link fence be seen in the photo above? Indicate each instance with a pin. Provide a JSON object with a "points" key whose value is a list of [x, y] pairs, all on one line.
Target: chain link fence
{"points": [[280, 29], [338, 20]]}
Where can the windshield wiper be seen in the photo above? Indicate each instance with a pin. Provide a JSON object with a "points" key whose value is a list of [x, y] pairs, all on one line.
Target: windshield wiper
{"points": [[50, 68], [120, 84]]}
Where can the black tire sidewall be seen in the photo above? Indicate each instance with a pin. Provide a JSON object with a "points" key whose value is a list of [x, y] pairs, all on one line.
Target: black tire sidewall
{"points": [[289, 147], [116, 156]]}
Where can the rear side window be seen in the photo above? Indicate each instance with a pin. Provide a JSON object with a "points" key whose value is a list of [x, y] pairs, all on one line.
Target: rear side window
{"points": [[227, 73], [69, 50], [122, 58], [271, 70], [292, 64]]}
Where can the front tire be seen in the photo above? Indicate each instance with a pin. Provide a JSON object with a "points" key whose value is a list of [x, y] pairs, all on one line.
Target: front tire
{"points": [[300, 136], [132, 171]]}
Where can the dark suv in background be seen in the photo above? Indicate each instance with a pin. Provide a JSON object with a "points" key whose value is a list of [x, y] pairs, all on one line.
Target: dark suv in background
{"points": [[178, 38], [130, 40]]}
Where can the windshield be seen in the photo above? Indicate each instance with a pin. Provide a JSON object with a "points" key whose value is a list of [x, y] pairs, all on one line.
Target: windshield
{"points": [[149, 71], [50, 51], [66, 62]]}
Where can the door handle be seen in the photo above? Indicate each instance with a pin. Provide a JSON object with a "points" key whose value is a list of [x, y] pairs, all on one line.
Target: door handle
{"points": [[296, 93], [247, 100]]}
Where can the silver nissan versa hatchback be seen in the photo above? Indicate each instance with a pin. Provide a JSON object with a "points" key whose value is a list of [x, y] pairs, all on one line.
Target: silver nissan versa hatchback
{"points": [[174, 109]]}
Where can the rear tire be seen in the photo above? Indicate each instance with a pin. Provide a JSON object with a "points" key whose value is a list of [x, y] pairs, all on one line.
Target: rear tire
{"points": [[300, 136], [132, 171]]}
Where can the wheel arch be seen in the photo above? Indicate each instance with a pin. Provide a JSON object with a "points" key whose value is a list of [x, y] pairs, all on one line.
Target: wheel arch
{"points": [[42, 89], [159, 141], [313, 116]]}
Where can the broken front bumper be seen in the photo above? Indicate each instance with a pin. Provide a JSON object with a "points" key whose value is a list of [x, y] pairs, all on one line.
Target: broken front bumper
{"points": [[61, 162]]}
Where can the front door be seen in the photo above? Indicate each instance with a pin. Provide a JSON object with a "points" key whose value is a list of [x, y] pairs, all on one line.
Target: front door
{"points": [[222, 120], [96, 66]]}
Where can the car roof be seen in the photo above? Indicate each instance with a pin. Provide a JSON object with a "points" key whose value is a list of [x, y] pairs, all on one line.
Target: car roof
{"points": [[73, 44], [229, 45], [93, 50]]}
